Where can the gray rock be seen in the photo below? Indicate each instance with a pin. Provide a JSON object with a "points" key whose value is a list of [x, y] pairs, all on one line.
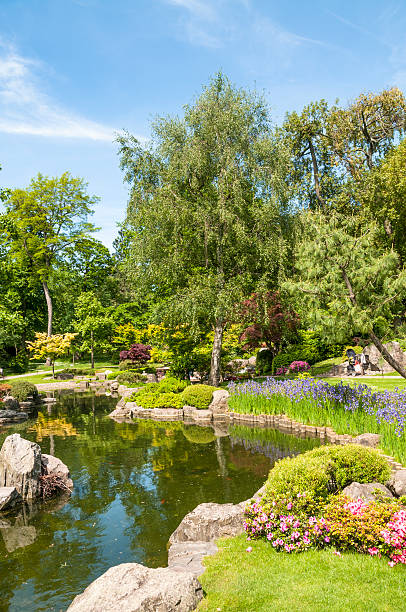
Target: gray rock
{"points": [[131, 587], [368, 439], [188, 556], [167, 414], [219, 403], [53, 465], [10, 403], [12, 416], [208, 522], [9, 497], [397, 483], [366, 491], [20, 466], [114, 385], [376, 360]]}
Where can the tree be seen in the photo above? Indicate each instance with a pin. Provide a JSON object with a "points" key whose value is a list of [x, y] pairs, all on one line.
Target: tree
{"points": [[267, 321], [93, 323], [45, 220], [347, 282], [204, 216], [137, 353], [50, 347]]}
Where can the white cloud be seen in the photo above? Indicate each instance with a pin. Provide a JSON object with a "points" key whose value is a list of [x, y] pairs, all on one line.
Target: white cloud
{"points": [[26, 109]]}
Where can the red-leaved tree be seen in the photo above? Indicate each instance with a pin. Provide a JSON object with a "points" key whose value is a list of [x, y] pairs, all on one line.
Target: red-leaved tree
{"points": [[268, 321], [137, 353]]}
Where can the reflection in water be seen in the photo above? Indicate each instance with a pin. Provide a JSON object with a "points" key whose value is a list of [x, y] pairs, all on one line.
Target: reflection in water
{"points": [[133, 484]]}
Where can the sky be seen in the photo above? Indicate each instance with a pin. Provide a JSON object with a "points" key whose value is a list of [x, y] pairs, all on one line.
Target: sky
{"points": [[74, 73]]}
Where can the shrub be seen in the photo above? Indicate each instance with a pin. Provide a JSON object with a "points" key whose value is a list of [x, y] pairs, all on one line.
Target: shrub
{"points": [[172, 385], [22, 390], [112, 376], [126, 364], [78, 371], [137, 353], [130, 378], [161, 400], [264, 362], [299, 366], [199, 396], [357, 350], [199, 435], [281, 371], [283, 360], [4, 389], [326, 470]]}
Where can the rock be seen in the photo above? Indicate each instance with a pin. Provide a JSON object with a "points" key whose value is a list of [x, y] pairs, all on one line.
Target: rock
{"points": [[208, 522], [114, 385], [131, 587], [151, 378], [20, 466], [167, 414], [252, 361], [366, 491], [53, 465], [64, 376], [203, 416], [368, 439], [9, 497], [219, 403], [10, 403], [397, 483], [12, 416], [377, 362], [188, 556]]}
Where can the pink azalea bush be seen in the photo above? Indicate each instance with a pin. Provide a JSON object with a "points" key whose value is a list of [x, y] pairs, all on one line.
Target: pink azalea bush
{"points": [[281, 371], [299, 366], [295, 524]]}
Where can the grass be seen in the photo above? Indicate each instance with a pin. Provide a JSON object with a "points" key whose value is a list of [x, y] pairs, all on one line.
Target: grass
{"points": [[322, 367], [380, 384], [315, 581], [36, 379]]}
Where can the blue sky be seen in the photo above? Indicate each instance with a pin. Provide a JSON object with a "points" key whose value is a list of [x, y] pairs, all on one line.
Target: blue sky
{"points": [[74, 72]]}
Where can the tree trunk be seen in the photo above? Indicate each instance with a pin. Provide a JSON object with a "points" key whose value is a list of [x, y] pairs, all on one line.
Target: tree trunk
{"points": [[214, 376], [49, 307], [91, 350], [316, 174], [53, 369], [387, 356]]}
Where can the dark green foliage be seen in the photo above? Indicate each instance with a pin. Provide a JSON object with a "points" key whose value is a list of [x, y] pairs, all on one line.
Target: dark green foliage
{"points": [[199, 435], [264, 362], [326, 470], [199, 396], [22, 390], [78, 371], [126, 364]]}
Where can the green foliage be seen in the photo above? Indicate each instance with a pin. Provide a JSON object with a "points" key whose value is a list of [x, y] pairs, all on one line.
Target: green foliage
{"points": [[199, 396], [78, 371], [264, 361], [326, 470], [126, 364], [173, 385], [22, 390], [199, 435], [112, 376], [130, 378], [159, 400]]}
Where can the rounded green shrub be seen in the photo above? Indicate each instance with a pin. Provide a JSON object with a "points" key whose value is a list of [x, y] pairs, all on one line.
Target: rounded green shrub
{"points": [[130, 378], [263, 362], [326, 470], [22, 390], [199, 435], [199, 396], [112, 376], [172, 385], [162, 400]]}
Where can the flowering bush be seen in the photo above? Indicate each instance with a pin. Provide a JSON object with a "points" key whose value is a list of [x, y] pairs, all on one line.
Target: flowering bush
{"points": [[288, 523], [299, 366], [281, 371]]}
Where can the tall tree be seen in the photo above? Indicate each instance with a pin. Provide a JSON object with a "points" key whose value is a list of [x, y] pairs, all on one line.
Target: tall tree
{"points": [[348, 282], [93, 324], [44, 220], [205, 221]]}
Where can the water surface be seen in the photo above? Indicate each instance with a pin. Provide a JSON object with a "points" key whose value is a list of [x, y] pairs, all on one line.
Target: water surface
{"points": [[133, 484]]}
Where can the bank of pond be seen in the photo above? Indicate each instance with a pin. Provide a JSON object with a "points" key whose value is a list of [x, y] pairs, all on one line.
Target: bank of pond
{"points": [[133, 484]]}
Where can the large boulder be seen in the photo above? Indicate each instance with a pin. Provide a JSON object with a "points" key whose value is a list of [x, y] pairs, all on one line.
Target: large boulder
{"points": [[12, 416], [131, 587], [219, 402], [397, 483], [366, 491], [53, 465], [9, 497], [20, 466], [208, 522], [377, 362], [188, 556], [10, 403]]}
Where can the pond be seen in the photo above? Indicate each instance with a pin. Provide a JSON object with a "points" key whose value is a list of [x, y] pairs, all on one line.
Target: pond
{"points": [[133, 484]]}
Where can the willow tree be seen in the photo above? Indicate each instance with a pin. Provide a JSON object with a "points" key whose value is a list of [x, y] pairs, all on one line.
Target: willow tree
{"points": [[204, 220]]}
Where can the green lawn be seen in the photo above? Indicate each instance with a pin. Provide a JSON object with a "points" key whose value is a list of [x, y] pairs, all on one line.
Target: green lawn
{"points": [[36, 379], [380, 383], [315, 581]]}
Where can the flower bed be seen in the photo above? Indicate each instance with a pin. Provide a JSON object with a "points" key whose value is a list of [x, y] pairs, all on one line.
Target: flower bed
{"points": [[349, 410]]}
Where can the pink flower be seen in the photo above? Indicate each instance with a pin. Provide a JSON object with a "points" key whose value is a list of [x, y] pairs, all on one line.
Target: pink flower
{"points": [[249, 549], [327, 539], [391, 563], [373, 550], [336, 552]]}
